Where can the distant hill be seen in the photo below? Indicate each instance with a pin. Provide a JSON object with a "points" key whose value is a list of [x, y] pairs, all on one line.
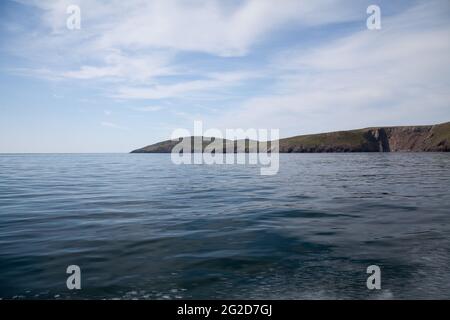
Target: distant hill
{"points": [[378, 139]]}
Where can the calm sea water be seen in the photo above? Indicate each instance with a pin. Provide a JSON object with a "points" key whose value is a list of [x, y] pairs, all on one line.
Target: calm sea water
{"points": [[141, 227]]}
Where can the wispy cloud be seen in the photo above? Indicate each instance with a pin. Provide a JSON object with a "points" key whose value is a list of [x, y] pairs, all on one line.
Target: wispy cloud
{"points": [[208, 83], [125, 68], [211, 26], [397, 75], [111, 125], [148, 108]]}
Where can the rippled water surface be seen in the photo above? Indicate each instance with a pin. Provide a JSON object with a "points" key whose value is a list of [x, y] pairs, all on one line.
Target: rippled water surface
{"points": [[141, 227]]}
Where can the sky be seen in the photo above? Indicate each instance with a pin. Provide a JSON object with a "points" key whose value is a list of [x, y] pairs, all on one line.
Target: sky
{"points": [[137, 70]]}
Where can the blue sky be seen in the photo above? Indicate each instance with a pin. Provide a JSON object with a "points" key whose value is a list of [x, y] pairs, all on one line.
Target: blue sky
{"points": [[137, 70]]}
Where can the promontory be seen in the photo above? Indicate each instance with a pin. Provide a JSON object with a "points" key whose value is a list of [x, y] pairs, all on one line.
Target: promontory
{"points": [[426, 138]]}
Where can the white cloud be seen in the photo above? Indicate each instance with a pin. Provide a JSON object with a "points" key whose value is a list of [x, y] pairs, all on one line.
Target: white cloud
{"points": [[395, 76], [212, 81], [148, 108], [136, 42], [111, 125], [211, 26], [131, 68]]}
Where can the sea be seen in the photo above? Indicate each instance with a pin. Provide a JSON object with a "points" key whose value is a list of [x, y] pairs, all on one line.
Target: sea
{"points": [[141, 227]]}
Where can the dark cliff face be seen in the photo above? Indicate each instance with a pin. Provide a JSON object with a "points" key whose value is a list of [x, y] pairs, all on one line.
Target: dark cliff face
{"points": [[381, 139], [378, 139], [424, 138]]}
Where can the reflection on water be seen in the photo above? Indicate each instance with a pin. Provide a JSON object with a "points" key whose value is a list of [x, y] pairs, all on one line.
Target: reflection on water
{"points": [[142, 227]]}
